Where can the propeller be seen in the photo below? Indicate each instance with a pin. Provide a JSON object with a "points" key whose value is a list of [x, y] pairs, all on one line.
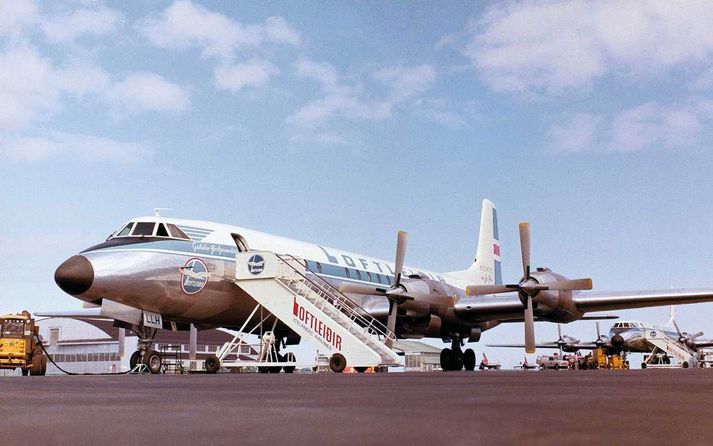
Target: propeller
{"points": [[528, 287], [685, 338], [395, 293]]}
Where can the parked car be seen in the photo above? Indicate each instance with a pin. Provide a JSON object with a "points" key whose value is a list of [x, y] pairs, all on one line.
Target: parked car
{"points": [[552, 362]]}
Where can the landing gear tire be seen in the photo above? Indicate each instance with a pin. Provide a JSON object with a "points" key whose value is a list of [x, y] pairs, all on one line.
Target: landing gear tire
{"points": [[685, 364], [451, 360], [212, 364], [445, 359], [25, 372], [134, 359], [153, 361], [289, 357], [469, 359], [643, 365], [557, 366], [337, 363], [39, 365]]}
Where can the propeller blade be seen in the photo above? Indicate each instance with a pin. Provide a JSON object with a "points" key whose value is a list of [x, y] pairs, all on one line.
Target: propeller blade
{"points": [[678, 330], [479, 290], [598, 335], [559, 332], [562, 285], [529, 326], [525, 248], [401, 242], [391, 322], [697, 335], [360, 288]]}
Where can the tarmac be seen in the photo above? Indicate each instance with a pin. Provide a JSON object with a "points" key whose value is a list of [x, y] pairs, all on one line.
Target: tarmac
{"points": [[453, 408]]}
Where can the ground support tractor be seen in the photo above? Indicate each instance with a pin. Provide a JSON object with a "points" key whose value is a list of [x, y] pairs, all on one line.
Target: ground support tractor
{"points": [[20, 344]]}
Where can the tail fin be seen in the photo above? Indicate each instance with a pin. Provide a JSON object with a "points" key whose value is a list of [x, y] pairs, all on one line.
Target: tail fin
{"points": [[672, 315], [485, 269]]}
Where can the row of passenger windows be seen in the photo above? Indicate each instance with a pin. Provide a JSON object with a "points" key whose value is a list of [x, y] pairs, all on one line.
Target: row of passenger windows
{"points": [[148, 229], [350, 273]]}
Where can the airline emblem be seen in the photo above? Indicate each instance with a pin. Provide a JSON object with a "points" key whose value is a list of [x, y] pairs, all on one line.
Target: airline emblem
{"points": [[194, 276], [256, 264]]}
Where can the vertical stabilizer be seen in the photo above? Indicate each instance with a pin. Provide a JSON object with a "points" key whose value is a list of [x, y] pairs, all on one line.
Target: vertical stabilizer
{"points": [[672, 315], [485, 269]]}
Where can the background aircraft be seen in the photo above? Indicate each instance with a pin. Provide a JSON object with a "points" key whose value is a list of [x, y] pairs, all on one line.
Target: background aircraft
{"points": [[624, 337]]}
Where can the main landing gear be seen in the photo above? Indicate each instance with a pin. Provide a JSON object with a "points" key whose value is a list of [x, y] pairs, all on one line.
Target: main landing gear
{"points": [[454, 358], [145, 354]]}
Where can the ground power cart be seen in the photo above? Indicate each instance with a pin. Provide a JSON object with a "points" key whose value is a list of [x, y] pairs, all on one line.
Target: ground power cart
{"points": [[20, 345]]}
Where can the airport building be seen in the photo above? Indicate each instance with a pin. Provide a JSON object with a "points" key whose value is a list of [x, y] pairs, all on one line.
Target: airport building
{"points": [[419, 356]]}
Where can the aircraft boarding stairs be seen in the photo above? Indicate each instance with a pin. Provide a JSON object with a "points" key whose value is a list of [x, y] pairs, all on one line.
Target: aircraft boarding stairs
{"points": [[314, 309], [685, 357]]}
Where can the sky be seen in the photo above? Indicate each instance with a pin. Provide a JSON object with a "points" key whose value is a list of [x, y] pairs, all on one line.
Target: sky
{"points": [[341, 123]]}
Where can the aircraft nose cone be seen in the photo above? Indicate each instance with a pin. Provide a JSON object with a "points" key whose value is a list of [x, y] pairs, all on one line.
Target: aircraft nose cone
{"points": [[617, 340], [75, 275]]}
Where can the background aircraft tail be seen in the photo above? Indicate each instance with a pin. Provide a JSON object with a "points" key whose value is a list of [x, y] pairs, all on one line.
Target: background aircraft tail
{"points": [[485, 269]]}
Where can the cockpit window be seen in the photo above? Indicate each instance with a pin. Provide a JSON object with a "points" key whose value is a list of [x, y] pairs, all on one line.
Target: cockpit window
{"points": [[161, 231], [176, 232], [143, 229], [126, 231]]}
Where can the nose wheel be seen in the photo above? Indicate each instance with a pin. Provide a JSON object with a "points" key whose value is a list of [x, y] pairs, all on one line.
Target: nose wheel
{"points": [[145, 354]]}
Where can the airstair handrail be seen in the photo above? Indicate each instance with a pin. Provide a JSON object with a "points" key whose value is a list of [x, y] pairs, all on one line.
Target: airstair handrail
{"points": [[347, 306]]}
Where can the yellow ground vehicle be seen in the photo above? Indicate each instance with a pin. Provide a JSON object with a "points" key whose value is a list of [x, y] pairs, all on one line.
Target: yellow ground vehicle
{"points": [[20, 344]]}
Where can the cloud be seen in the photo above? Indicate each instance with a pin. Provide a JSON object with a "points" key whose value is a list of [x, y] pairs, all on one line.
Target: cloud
{"points": [[553, 45], [28, 88], [254, 73], [647, 126], [15, 15], [66, 28], [86, 147], [316, 120], [407, 82], [148, 92], [185, 25], [577, 135]]}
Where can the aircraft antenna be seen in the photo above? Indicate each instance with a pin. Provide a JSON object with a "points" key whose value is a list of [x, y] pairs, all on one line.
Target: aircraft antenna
{"points": [[157, 211]]}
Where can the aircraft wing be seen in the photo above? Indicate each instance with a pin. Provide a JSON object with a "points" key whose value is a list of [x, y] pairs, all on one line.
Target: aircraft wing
{"points": [[607, 301], [703, 344], [508, 307], [84, 313], [578, 346]]}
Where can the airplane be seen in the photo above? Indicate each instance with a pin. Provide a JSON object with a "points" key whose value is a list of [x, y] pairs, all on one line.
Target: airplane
{"points": [[624, 336], [180, 271]]}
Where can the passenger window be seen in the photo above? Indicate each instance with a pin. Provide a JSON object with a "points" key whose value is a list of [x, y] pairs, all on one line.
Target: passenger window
{"points": [[388, 280], [143, 229], [176, 232], [126, 231], [319, 267], [346, 271], [378, 277], [368, 274], [358, 274], [161, 231]]}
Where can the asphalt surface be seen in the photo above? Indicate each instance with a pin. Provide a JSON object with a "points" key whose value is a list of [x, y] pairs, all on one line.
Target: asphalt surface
{"points": [[497, 407]]}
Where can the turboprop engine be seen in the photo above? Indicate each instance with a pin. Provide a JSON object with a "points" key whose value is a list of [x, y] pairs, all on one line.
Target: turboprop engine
{"points": [[544, 291], [412, 296]]}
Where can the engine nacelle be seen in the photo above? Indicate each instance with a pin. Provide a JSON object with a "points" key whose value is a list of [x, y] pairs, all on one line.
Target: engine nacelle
{"points": [[418, 328], [553, 305]]}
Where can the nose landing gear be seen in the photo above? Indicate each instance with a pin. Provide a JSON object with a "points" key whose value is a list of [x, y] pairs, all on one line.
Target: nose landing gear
{"points": [[145, 354]]}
